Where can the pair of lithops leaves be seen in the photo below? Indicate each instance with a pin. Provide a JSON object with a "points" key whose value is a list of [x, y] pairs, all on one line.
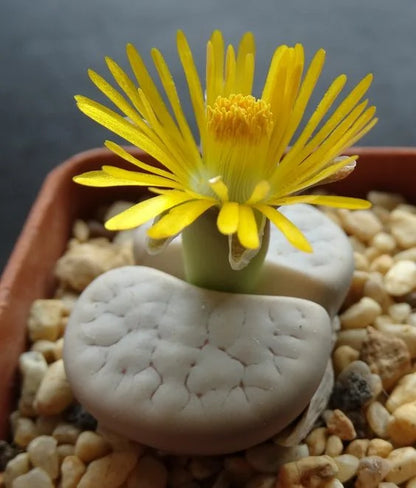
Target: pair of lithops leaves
{"points": [[190, 370]]}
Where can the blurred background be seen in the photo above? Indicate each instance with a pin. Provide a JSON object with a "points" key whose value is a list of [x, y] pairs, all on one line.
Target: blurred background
{"points": [[46, 47]]}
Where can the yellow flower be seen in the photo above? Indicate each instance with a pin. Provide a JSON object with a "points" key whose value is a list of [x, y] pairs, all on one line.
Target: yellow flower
{"points": [[242, 165]]}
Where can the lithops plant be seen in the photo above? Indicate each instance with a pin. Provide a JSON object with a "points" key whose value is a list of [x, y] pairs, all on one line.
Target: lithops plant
{"points": [[231, 347]]}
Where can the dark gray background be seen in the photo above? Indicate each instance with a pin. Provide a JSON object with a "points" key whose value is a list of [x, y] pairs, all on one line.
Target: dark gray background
{"points": [[46, 47]]}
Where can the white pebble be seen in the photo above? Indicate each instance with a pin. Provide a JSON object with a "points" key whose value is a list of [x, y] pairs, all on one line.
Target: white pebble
{"points": [[360, 314], [378, 418], [401, 278], [33, 368], [403, 227], [54, 393], [16, 467], [42, 454], [363, 224], [347, 465], [36, 478], [403, 465]]}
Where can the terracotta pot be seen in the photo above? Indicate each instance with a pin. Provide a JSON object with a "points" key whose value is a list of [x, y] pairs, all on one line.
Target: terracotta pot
{"points": [[29, 272]]}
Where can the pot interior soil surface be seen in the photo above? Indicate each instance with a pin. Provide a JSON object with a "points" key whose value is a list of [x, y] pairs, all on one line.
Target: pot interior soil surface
{"points": [[369, 419]]}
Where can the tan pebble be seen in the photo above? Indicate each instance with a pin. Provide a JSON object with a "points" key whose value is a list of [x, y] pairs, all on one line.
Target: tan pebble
{"points": [[333, 483], [35, 478], [356, 244], [387, 200], [83, 262], [267, 457], [403, 331], [411, 483], [66, 433], [347, 466], [90, 446], [25, 430], [343, 356], [58, 348], [403, 227], [361, 314], [149, 472], [316, 441], [45, 425], [46, 348], [17, 466], [404, 392], [204, 467], [261, 481], [400, 312], [382, 263], [42, 454], [372, 253], [33, 368], [80, 230], [54, 394], [334, 446], [339, 424], [406, 255], [44, 319], [358, 448], [386, 356], [72, 470], [65, 450], [379, 447], [412, 319], [312, 469], [403, 465], [353, 338], [361, 262], [110, 471], [378, 418], [238, 469], [374, 288], [401, 278], [355, 291], [371, 471], [119, 442], [361, 223], [402, 428], [384, 242]]}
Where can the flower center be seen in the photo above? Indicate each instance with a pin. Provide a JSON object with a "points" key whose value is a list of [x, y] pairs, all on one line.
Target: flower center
{"points": [[239, 118]]}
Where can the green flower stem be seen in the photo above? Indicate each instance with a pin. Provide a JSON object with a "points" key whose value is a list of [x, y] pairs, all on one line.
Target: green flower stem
{"points": [[206, 258]]}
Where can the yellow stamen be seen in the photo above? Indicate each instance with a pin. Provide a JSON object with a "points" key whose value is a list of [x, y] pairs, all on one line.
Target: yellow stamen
{"points": [[239, 118]]}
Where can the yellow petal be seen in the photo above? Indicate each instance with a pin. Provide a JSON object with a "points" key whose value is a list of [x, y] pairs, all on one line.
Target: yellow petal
{"points": [[122, 127], [116, 149], [179, 218], [260, 192], [290, 231], [247, 232], [146, 210], [327, 200], [219, 187], [141, 179], [194, 83], [228, 217], [102, 179]]}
